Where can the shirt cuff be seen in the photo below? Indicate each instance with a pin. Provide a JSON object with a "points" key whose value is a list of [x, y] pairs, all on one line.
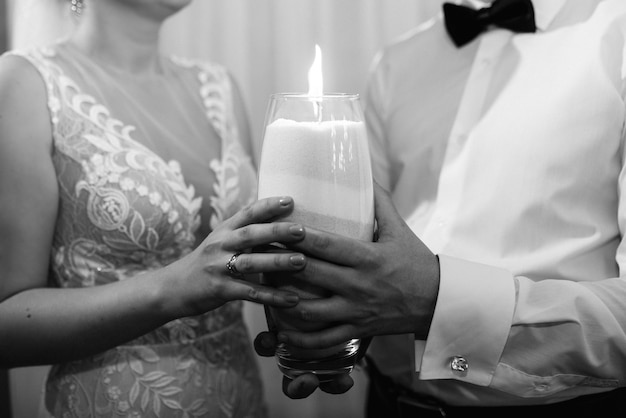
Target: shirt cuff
{"points": [[471, 322]]}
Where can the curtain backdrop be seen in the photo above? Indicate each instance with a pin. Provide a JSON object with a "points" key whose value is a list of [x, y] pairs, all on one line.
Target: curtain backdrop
{"points": [[269, 46]]}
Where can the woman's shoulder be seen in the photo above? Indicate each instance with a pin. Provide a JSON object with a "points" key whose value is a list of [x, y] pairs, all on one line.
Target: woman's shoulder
{"points": [[29, 63], [23, 99], [20, 79], [40, 52], [16, 62]]}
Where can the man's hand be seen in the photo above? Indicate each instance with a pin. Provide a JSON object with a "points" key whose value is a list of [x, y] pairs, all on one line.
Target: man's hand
{"points": [[376, 288]]}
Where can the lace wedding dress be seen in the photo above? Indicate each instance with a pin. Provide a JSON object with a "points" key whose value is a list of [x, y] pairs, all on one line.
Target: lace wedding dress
{"points": [[146, 167]]}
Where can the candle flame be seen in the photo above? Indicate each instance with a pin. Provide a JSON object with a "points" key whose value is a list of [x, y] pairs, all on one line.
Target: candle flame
{"points": [[316, 80]]}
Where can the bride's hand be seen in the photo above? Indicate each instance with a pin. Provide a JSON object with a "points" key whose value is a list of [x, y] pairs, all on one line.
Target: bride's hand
{"points": [[225, 266]]}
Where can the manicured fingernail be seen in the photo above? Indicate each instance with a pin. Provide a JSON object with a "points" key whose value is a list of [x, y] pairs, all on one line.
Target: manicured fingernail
{"points": [[296, 230], [285, 201], [292, 298], [297, 260]]}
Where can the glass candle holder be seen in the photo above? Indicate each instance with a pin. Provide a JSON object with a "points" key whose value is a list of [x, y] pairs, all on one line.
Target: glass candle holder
{"points": [[315, 150]]}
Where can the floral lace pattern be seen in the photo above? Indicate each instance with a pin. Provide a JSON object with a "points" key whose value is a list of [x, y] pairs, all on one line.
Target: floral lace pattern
{"points": [[123, 210]]}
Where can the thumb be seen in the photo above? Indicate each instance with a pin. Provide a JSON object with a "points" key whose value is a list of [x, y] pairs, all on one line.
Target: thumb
{"points": [[389, 221]]}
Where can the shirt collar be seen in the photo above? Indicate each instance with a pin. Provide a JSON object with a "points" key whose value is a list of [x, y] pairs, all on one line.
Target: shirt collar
{"points": [[546, 11]]}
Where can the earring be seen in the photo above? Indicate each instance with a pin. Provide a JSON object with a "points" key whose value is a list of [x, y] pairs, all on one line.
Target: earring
{"points": [[76, 6]]}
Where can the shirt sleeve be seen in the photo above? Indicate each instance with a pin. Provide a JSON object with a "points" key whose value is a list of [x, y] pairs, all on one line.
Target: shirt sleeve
{"points": [[514, 338], [476, 335]]}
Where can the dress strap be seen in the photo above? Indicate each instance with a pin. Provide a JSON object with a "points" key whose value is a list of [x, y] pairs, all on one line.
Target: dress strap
{"points": [[216, 91], [217, 96]]}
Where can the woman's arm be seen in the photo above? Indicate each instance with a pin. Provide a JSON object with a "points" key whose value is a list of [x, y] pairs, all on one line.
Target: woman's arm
{"points": [[40, 325]]}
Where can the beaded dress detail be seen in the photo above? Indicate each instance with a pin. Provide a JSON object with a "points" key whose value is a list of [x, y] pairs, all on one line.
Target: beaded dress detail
{"points": [[135, 195]]}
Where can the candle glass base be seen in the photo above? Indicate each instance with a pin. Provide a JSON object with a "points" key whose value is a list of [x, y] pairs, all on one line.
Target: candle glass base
{"points": [[326, 368]]}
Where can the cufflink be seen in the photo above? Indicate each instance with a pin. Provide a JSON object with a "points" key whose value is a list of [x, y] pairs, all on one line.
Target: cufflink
{"points": [[459, 364]]}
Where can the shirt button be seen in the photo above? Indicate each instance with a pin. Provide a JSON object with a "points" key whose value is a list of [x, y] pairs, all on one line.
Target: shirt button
{"points": [[459, 364]]}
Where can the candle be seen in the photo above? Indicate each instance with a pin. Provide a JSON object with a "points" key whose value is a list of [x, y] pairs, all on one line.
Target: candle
{"points": [[316, 76], [318, 159], [319, 165], [315, 149]]}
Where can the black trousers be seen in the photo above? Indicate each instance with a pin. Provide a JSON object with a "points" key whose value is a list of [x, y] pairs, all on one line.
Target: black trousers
{"points": [[385, 400]]}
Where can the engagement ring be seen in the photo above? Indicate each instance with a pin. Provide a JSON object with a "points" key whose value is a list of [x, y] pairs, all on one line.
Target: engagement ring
{"points": [[232, 268]]}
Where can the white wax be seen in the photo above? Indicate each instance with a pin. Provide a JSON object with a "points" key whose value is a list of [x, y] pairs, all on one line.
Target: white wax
{"points": [[325, 167]]}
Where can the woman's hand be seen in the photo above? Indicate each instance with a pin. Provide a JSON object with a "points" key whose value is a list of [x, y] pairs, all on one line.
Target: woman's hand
{"points": [[210, 276]]}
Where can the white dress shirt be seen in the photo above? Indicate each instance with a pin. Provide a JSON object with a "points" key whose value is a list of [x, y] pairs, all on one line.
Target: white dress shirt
{"points": [[506, 157]]}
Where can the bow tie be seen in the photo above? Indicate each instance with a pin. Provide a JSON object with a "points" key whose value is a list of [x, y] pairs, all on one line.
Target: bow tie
{"points": [[464, 23]]}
